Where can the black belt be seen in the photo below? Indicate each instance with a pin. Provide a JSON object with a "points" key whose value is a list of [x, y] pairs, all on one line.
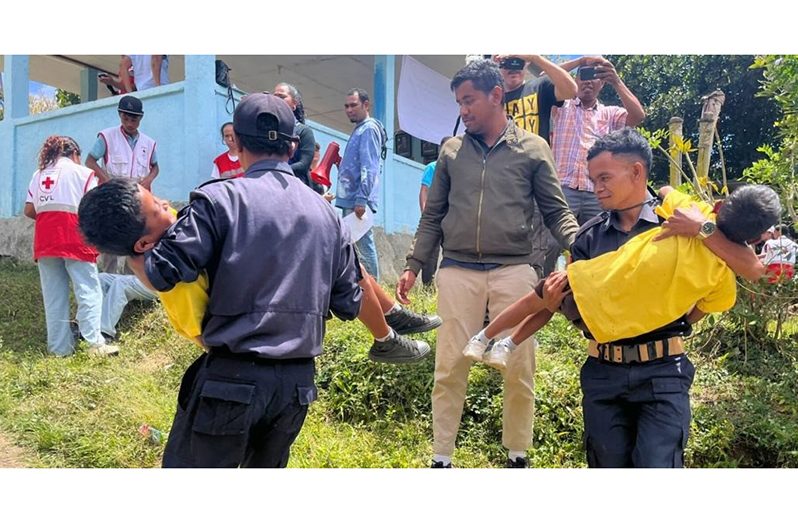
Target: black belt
{"points": [[255, 357]]}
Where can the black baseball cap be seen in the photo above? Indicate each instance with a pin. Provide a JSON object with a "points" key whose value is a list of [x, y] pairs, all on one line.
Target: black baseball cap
{"points": [[245, 118], [131, 105]]}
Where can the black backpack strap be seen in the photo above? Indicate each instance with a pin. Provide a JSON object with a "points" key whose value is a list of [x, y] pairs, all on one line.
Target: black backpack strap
{"points": [[383, 140]]}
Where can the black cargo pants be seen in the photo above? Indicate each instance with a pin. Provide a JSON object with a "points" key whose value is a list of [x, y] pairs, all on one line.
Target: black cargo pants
{"points": [[636, 414], [235, 412]]}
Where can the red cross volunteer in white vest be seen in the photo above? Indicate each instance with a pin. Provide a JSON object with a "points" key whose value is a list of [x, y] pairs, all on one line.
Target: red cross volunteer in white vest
{"points": [[61, 254], [125, 152]]}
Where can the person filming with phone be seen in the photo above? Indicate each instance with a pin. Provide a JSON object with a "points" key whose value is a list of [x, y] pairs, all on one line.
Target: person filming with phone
{"points": [[577, 125]]}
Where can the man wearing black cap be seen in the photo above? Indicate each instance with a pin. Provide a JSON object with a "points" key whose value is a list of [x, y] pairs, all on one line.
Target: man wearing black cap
{"points": [[278, 261], [125, 152]]}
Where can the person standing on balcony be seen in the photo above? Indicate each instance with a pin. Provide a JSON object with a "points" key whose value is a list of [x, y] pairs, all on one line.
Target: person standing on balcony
{"points": [[149, 71]]}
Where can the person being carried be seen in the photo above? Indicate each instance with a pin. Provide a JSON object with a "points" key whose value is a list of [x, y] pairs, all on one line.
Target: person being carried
{"points": [[123, 218], [642, 275], [244, 401], [118, 291]]}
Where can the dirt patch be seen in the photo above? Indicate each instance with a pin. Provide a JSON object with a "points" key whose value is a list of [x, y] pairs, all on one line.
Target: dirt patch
{"points": [[11, 456], [155, 362]]}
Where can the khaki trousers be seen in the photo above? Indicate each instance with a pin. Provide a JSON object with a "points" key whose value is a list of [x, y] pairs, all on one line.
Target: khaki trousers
{"points": [[463, 295]]}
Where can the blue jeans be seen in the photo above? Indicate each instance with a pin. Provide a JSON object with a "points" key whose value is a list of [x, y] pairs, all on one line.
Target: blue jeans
{"points": [[367, 250], [118, 290], [55, 274]]}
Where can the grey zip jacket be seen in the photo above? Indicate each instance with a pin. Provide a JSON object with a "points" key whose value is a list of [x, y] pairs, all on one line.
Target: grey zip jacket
{"points": [[480, 203]]}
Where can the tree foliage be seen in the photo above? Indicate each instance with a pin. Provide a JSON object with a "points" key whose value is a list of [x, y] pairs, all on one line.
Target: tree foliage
{"points": [[65, 98], [672, 85], [778, 168], [41, 104]]}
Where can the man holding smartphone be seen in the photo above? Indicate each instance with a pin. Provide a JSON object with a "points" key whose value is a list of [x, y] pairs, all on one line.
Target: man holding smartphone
{"points": [[529, 104], [576, 125]]}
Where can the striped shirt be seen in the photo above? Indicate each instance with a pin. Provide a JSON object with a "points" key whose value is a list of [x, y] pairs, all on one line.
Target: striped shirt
{"points": [[574, 130]]}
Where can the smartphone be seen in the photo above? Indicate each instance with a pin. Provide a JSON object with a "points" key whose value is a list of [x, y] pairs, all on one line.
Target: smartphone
{"points": [[587, 73], [513, 63]]}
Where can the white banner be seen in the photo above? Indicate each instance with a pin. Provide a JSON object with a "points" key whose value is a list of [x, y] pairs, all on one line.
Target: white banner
{"points": [[425, 104]]}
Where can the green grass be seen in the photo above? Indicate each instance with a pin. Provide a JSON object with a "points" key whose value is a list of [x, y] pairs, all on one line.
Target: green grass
{"points": [[85, 412]]}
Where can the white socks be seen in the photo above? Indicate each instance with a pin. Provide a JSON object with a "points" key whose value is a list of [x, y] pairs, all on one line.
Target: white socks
{"points": [[446, 460], [481, 337], [396, 308], [391, 335], [508, 342], [513, 454]]}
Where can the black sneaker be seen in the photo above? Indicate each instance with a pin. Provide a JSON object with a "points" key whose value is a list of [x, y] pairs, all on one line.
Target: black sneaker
{"points": [[405, 321], [517, 463], [398, 350], [440, 465]]}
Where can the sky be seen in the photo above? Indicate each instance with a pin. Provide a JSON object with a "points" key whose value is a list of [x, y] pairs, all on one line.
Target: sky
{"points": [[37, 89]]}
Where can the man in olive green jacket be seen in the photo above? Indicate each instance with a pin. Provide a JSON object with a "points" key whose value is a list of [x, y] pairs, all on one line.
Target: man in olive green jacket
{"points": [[480, 208]]}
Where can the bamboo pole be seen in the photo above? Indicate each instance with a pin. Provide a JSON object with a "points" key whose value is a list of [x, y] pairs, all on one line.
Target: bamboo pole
{"points": [[675, 128], [713, 103]]}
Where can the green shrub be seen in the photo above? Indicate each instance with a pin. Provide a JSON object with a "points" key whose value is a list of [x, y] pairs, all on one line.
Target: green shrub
{"points": [[85, 412]]}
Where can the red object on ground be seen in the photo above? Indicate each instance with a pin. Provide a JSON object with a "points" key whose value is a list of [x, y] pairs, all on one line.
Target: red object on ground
{"points": [[779, 271]]}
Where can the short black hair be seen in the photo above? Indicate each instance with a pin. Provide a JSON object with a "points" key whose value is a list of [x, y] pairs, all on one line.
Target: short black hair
{"points": [[260, 144], [110, 217], [221, 129], [484, 74], [362, 94], [624, 141], [749, 211]]}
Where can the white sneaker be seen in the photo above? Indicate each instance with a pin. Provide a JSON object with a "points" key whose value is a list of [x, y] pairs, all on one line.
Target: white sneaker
{"points": [[475, 349], [498, 355], [103, 350]]}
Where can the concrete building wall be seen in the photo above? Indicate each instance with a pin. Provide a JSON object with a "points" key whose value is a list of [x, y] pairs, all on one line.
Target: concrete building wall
{"points": [[184, 119]]}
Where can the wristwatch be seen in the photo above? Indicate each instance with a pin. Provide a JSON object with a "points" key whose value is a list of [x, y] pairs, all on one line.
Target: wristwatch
{"points": [[707, 229]]}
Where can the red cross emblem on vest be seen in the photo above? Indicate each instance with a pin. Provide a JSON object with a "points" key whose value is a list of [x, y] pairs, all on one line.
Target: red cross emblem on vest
{"points": [[48, 182]]}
